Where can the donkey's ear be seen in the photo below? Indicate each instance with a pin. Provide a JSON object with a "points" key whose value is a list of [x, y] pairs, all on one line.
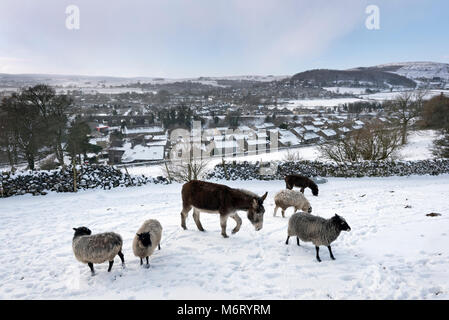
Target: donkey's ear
{"points": [[264, 196], [255, 203]]}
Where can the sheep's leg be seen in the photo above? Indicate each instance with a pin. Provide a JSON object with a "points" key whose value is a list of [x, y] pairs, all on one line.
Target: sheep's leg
{"points": [[159, 246], [141, 261], [317, 253], [302, 190], [122, 257], [238, 221], [147, 266], [275, 210], [110, 265], [297, 241], [283, 213], [288, 237], [196, 218], [91, 266], [330, 252], [184, 213], [223, 219]]}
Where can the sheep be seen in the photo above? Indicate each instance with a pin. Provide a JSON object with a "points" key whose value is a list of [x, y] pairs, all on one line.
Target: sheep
{"points": [[296, 180], [319, 231], [146, 239], [97, 248], [290, 198]]}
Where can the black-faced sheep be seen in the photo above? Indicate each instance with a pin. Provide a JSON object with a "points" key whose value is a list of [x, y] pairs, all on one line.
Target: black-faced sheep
{"points": [[147, 238], [97, 248], [319, 231], [289, 198]]}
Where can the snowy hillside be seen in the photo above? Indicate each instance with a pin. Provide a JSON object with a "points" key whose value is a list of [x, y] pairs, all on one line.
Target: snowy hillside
{"points": [[394, 250], [416, 70]]}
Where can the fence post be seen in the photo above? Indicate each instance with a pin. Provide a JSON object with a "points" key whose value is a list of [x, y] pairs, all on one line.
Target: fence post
{"points": [[168, 172], [74, 175], [224, 169]]}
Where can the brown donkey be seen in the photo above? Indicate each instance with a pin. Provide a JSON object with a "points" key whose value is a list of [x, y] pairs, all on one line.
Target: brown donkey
{"points": [[217, 198]]}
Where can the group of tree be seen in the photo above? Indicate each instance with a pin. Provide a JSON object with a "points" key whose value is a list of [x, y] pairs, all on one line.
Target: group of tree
{"points": [[361, 106], [179, 116], [435, 115], [35, 122], [375, 141]]}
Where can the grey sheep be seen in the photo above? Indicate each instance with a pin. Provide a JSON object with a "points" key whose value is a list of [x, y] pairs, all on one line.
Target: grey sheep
{"points": [[319, 231], [97, 248], [289, 198], [146, 239]]}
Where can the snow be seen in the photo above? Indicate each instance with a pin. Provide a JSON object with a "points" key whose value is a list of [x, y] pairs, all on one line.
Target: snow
{"points": [[392, 252], [142, 153]]}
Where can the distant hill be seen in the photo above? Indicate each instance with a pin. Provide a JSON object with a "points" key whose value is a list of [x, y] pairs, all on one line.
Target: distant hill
{"points": [[415, 70], [362, 76]]}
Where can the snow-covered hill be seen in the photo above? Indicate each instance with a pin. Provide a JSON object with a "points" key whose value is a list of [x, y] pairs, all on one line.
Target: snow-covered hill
{"points": [[417, 70], [394, 250]]}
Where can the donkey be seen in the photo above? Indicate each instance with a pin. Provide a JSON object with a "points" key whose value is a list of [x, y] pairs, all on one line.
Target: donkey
{"points": [[296, 180], [217, 198]]}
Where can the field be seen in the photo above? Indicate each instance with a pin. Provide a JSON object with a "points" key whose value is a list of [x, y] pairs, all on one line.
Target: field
{"points": [[394, 251]]}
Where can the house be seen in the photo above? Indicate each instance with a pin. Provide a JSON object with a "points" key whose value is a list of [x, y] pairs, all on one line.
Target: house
{"points": [[226, 147], [142, 153], [256, 146], [328, 134], [310, 137], [288, 139], [310, 128]]}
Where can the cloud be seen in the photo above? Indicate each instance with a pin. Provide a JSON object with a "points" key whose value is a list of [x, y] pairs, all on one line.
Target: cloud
{"points": [[173, 37]]}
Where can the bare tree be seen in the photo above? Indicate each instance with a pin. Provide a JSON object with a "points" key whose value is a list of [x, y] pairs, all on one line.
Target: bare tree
{"points": [[185, 168], [375, 141], [405, 108], [292, 156]]}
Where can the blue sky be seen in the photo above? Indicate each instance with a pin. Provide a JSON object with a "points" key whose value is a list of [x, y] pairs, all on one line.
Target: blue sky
{"points": [[175, 38]]}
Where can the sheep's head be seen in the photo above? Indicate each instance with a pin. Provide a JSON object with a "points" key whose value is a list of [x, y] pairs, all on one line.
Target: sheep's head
{"points": [[82, 231], [341, 223], [306, 207], [256, 211], [144, 238]]}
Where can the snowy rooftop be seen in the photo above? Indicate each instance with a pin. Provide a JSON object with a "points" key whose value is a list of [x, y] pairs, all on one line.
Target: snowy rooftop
{"points": [[143, 130], [142, 153]]}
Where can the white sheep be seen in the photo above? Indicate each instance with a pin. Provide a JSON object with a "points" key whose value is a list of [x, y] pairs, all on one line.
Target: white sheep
{"points": [[97, 248], [289, 198], [146, 239]]}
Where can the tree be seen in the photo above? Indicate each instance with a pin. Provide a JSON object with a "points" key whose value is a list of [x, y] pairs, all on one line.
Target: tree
{"points": [[375, 141], [7, 142], [188, 167], [78, 141], [435, 112], [441, 145], [405, 108], [54, 111], [25, 127]]}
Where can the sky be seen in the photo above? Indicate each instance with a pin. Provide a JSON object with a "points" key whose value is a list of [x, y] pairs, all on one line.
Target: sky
{"points": [[192, 38]]}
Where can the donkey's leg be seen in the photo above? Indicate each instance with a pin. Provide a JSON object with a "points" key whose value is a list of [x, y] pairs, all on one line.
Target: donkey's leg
{"points": [[223, 219], [184, 213], [239, 223], [196, 217]]}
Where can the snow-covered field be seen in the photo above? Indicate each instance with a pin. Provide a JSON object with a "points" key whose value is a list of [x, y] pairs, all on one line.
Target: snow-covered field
{"points": [[392, 252], [418, 147]]}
